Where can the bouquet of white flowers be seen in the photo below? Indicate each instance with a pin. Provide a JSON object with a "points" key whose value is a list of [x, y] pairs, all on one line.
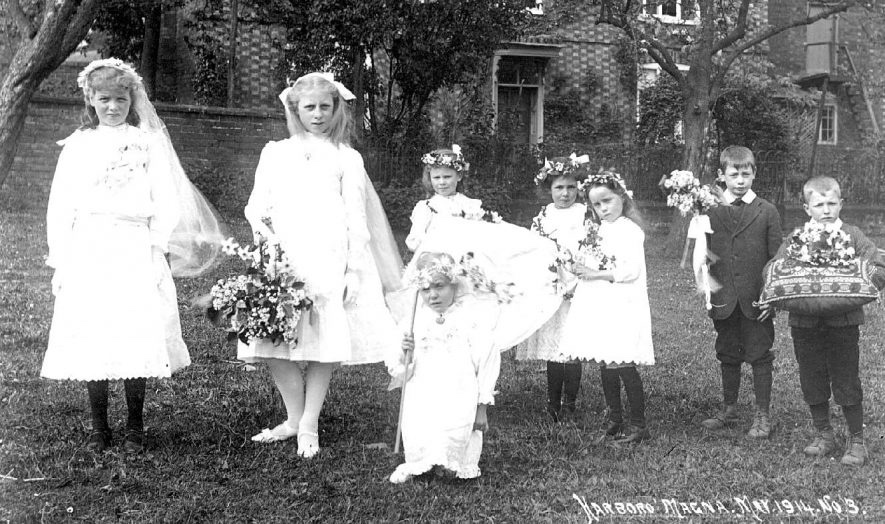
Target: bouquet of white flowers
{"points": [[267, 302], [688, 195]]}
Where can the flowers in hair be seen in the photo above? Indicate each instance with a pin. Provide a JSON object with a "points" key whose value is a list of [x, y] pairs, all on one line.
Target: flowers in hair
{"points": [[466, 270], [116, 63], [820, 244], [560, 168], [604, 177], [454, 160]]}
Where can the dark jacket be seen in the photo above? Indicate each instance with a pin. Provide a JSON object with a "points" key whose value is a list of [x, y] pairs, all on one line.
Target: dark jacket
{"points": [[863, 248], [740, 251]]}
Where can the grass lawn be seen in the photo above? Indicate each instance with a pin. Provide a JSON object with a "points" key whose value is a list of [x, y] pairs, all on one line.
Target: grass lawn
{"points": [[200, 465]]}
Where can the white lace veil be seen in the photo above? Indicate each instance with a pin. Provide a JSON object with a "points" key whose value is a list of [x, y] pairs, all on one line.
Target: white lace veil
{"points": [[382, 243], [195, 243]]}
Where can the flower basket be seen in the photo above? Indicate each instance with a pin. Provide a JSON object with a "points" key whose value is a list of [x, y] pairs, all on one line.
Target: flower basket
{"points": [[265, 305], [814, 290]]}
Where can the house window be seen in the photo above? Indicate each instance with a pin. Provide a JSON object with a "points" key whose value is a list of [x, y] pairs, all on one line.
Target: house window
{"points": [[649, 74], [828, 125], [672, 11], [519, 95], [821, 38], [535, 7]]}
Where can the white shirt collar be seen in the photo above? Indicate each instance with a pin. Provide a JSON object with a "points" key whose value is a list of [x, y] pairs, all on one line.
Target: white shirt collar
{"points": [[837, 224], [748, 197]]}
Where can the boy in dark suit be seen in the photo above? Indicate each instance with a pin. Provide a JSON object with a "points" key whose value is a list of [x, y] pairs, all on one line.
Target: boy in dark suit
{"points": [[746, 235], [827, 348]]}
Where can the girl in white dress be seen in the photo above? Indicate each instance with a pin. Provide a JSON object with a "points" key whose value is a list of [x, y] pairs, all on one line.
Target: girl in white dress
{"points": [[443, 170], [119, 205], [563, 222], [610, 310], [312, 192], [451, 378]]}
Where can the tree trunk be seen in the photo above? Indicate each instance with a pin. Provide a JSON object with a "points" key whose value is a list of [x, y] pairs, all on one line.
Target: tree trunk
{"points": [[695, 127], [359, 104], [63, 25], [150, 49]]}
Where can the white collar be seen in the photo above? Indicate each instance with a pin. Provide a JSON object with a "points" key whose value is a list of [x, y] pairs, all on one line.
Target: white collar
{"points": [[748, 197], [837, 224]]}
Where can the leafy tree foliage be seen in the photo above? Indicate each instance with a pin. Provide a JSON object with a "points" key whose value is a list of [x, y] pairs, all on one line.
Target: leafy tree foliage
{"points": [[721, 32]]}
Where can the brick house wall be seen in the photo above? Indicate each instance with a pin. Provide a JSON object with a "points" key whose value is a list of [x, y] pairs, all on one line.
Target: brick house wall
{"points": [[225, 140], [863, 37], [588, 57]]}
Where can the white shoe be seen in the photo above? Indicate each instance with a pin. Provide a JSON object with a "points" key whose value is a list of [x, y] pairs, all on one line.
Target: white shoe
{"points": [[399, 476], [308, 444], [282, 432]]}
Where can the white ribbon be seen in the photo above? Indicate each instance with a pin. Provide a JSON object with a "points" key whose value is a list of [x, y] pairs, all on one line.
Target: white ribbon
{"points": [[578, 160], [698, 229], [343, 92]]}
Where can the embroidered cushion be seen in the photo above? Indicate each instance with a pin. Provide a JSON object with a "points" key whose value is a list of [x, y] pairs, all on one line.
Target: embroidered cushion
{"points": [[818, 290]]}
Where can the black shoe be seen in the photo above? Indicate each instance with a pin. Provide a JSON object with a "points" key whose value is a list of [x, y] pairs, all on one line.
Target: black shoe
{"points": [[634, 435], [555, 412], [99, 440], [134, 442], [613, 428]]}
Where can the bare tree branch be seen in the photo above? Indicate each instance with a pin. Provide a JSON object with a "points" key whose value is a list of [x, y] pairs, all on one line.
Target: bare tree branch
{"points": [[739, 31], [79, 25], [657, 50], [27, 29], [765, 35]]}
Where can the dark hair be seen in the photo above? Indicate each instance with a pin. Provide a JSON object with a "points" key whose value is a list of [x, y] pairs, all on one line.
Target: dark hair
{"points": [[544, 186], [737, 157], [109, 78], [630, 209]]}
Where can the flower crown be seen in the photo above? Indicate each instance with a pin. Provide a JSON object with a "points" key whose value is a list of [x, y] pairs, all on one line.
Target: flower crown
{"points": [[115, 63], [604, 177], [560, 168], [453, 161], [466, 271]]}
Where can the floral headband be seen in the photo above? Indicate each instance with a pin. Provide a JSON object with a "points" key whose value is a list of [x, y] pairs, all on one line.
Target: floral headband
{"points": [[449, 160], [604, 177], [115, 63], [560, 168], [343, 92], [466, 271]]}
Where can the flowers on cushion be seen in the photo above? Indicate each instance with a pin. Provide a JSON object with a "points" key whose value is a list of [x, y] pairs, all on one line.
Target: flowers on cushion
{"points": [[819, 244]]}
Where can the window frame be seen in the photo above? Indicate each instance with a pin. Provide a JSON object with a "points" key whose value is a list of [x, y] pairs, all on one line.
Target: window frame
{"points": [[538, 10], [670, 19], [834, 110]]}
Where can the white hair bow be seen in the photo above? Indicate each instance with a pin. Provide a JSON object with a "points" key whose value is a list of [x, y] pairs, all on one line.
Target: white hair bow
{"points": [[345, 93], [578, 160]]}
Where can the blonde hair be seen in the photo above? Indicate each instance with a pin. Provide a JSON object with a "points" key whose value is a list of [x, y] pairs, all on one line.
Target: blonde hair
{"points": [[737, 157], [820, 185], [105, 78], [340, 126], [425, 173]]}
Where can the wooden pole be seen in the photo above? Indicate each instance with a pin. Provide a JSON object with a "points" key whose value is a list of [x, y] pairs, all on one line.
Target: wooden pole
{"points": [[402, 398], [816, 135]]}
